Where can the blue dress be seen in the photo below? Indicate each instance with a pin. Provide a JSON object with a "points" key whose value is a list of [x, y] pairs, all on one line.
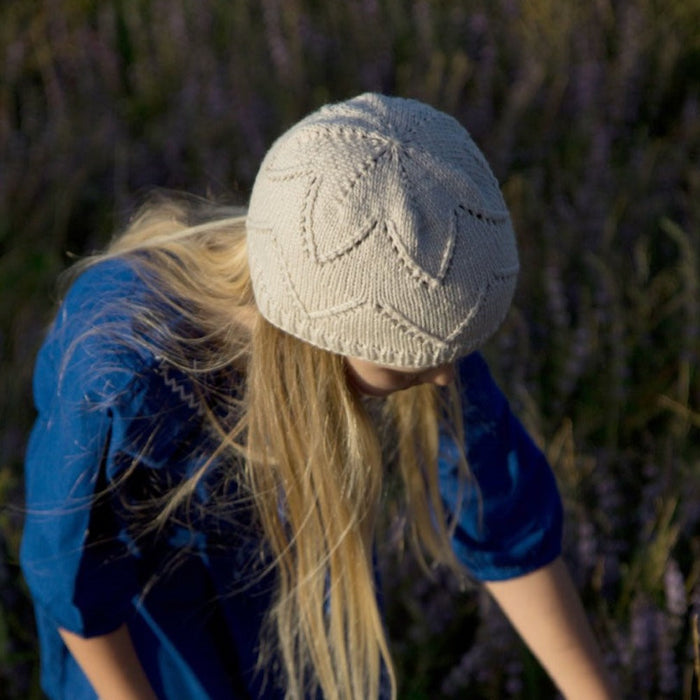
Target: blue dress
{"points": [[116, 426]]}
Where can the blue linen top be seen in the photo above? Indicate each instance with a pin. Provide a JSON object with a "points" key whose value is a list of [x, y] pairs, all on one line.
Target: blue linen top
{"points": [[116, 425]]}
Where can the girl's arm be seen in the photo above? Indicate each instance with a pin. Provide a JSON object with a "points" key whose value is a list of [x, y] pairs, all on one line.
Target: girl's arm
{"points": [[545, 609], [111, 665]]}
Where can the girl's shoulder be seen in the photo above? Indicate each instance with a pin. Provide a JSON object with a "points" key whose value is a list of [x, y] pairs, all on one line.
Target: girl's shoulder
{"points": [[117, 336], [92, 340], [108, 287]]}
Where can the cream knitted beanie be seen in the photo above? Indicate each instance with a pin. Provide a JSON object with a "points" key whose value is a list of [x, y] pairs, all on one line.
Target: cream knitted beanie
{"points": [[377, 230]]}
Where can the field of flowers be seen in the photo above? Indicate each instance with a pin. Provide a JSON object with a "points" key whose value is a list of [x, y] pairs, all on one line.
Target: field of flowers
{"points": [[590, 115]]}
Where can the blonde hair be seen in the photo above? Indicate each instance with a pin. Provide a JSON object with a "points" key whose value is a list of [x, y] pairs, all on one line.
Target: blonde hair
{"points": [[302, 449]]}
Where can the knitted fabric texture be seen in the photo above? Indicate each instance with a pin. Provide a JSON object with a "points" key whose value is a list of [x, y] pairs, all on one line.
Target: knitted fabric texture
{"points": [[377, 230]]}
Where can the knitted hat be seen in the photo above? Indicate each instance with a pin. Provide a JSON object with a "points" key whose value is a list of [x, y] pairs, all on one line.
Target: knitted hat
{"points": [[377, 230]]}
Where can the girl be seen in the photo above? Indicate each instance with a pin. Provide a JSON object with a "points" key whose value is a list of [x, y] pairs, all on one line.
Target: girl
{"points": [[229, 404]]}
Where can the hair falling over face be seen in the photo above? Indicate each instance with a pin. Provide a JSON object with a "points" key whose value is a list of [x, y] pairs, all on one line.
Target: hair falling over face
{"points": [[302, 447]]}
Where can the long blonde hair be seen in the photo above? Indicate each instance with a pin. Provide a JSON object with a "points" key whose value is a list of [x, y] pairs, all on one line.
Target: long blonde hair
{"points": [[302, 449]]}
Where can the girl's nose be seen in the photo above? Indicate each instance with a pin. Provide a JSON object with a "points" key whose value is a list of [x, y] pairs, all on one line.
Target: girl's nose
{"points": [[441, 375]]}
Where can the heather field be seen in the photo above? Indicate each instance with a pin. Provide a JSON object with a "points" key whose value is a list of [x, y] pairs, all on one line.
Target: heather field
{"points": [[589, 113]]}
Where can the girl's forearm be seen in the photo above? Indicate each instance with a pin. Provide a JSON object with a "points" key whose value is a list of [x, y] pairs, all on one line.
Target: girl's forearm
{"points": [[111, 665], [546, 610]]}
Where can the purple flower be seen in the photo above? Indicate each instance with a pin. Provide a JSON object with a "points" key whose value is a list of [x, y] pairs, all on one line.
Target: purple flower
{"points": [[674, 587]]}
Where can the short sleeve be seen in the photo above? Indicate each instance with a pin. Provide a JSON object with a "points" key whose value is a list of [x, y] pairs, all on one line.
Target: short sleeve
{"points": [[510, 512], [76, 556]]}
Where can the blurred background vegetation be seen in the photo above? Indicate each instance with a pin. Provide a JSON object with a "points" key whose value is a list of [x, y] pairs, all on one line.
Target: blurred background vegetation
{"points": [[590, 115]]}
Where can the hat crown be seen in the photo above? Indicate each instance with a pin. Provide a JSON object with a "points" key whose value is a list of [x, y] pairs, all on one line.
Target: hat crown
{"points": [[376, 229]]}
